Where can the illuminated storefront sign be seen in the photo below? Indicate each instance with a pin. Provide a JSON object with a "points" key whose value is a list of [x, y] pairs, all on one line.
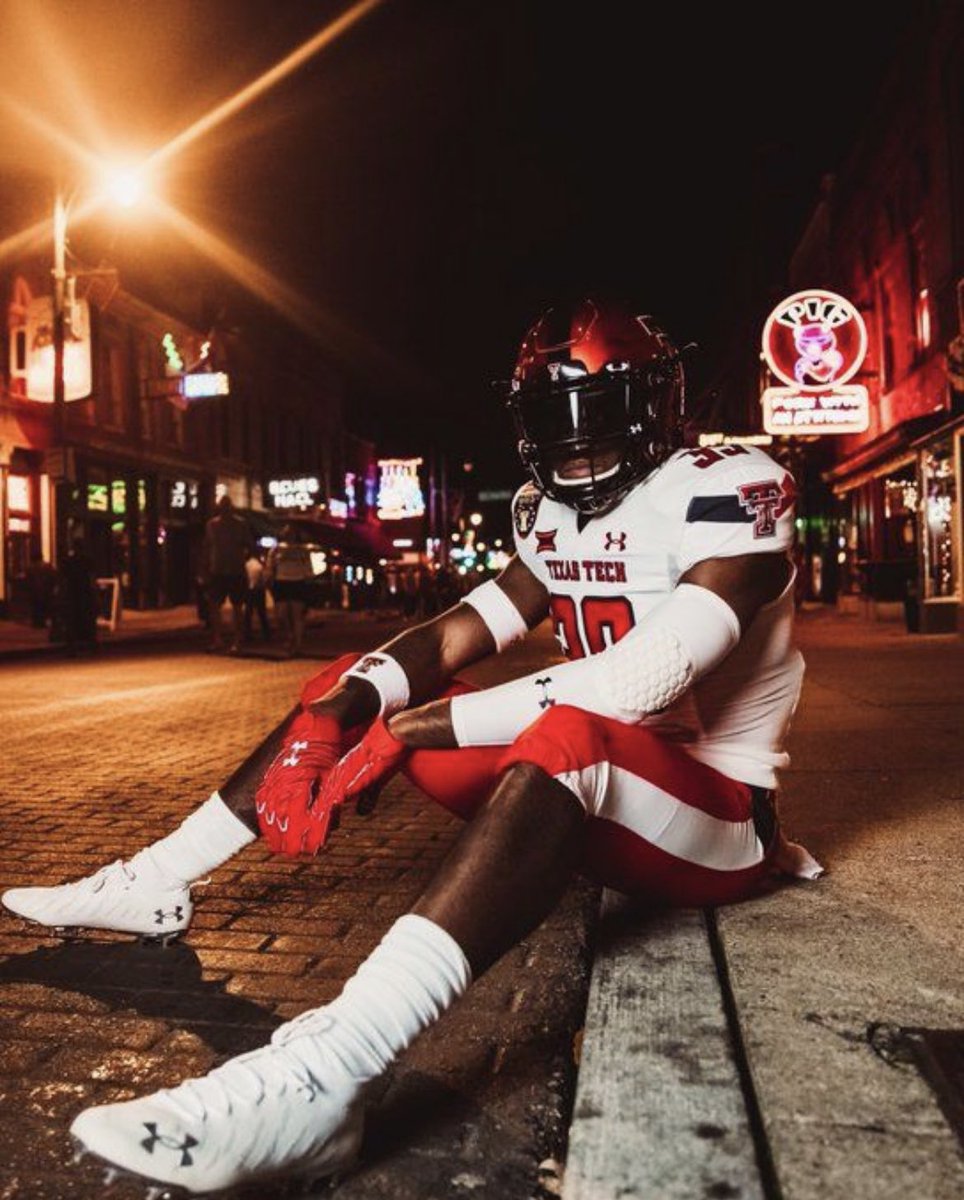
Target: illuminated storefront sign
{"points": [[173, 362], [294, 493], [814, 342], [18, 493], [184, 495], [338, 509], [97, 497], [735, 439], [40, 351], [844, 410], [399, 491], [201, 385]]}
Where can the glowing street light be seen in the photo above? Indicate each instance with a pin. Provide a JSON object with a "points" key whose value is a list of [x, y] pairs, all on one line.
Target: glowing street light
{"points": [[475, 519], [125, 186]]}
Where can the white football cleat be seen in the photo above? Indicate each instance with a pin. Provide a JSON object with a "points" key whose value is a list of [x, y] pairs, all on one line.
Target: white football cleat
{"points": [[274, 1111], [117, 897]]}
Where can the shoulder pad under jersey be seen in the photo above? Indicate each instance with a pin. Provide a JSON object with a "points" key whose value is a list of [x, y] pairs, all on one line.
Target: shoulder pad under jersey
{"points": [[729, 499]]}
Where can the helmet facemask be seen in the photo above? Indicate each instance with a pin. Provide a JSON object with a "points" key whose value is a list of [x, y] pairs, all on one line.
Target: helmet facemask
{"points": [[588, 439]]}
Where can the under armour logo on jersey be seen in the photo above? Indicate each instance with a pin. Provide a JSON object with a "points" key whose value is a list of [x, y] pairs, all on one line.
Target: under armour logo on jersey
{"points": [[292, 760], [169, 1143], [546, 701], [545, 541], [766, 501], [615, 541], [160, 916]]}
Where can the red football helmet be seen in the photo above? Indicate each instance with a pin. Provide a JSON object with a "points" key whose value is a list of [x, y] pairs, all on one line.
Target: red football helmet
{"points": [[597, 399]]}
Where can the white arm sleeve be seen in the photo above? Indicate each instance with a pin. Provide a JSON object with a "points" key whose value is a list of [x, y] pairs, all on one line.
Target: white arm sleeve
{"points": [[682, 638], [502, 618]]}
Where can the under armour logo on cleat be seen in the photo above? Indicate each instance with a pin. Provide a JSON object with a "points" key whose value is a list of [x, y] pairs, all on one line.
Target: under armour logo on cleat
{"points": [[292, 760], [546, 701], [169, 1143], [615, 541], [160, 916]]}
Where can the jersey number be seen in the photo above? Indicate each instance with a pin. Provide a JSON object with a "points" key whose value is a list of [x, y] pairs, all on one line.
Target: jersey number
{"points": [[605, 620]]}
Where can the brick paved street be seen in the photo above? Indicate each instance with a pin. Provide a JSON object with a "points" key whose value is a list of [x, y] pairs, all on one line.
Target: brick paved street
{"points": [[101, 757]]}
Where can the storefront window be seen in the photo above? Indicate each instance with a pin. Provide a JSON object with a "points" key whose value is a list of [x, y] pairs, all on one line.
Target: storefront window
{"points": [[901, 503], [941, 567]]}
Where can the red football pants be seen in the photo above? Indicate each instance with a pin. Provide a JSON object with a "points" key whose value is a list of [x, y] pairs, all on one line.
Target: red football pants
{"points": [[659, 824]]}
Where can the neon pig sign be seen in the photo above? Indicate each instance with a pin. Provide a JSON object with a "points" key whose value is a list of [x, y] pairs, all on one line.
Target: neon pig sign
{"points": [[814, 342]]}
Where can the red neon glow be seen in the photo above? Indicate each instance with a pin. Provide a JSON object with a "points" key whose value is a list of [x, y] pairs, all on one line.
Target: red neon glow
{"points": [[814, 340]]}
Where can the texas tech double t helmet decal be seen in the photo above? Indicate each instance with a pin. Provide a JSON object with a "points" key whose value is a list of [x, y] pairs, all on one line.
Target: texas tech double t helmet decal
{"points": [[597, 399]]}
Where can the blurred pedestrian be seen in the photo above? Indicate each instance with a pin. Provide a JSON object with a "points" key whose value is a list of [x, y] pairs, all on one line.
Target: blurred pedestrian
{"points": [[255, 598], [41, 589], [79, 599], [409, 594], [289, 573], [227, 545]]}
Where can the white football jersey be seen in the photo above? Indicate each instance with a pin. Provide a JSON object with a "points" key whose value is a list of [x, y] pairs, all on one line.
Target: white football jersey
{"points": [[604, 573]]}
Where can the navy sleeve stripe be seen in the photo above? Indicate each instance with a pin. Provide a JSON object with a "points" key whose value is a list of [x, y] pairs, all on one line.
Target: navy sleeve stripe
{"points": [[725, 509]]}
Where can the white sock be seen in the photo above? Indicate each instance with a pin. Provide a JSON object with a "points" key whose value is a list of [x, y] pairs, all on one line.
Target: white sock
{"points": [[207, 838], [412, 976]]}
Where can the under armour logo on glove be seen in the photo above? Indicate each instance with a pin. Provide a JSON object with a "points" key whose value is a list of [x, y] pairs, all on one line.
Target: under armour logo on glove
{"points": [[169, 1143], [292, 760], [615, 541], [160, 916], [285, 798], [546, 701]]}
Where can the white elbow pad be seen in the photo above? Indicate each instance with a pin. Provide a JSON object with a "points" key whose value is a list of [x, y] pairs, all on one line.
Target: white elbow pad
{"points": [[679, 640], [503, 620], [682, 638]]}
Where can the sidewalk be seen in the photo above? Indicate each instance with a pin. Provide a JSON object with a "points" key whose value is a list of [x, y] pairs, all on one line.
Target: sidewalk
{"points": [[18, 640], [808, 1045]]}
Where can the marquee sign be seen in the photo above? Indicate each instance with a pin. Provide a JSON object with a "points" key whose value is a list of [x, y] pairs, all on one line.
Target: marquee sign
{"points": [[814, 342], [400, 494]]}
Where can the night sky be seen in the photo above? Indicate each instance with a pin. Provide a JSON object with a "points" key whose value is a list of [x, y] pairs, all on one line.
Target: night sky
{"points": [[433, 179]]}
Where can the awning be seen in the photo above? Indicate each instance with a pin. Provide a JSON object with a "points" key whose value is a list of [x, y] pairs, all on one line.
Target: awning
{"points": [[356, 539], [884, 454], [262, 523]]}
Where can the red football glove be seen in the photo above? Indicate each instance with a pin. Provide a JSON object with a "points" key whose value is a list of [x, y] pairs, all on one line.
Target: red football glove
{"points": [[287, 800], [364, 770]]}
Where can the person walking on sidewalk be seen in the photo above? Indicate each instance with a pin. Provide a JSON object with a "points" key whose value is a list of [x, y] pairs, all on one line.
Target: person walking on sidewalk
{"points": [[256, 598], [289, 573], [647, 762], [227, 545]]}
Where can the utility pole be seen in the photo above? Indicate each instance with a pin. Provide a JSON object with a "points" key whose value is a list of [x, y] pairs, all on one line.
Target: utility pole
{"points": [[61, 482]]}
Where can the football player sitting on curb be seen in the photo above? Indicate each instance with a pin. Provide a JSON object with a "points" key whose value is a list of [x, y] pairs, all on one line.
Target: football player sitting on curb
{"points": [[646, 762]]}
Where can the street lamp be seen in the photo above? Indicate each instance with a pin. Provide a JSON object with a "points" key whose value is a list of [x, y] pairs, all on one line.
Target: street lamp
{"points": [[125, 187]]}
